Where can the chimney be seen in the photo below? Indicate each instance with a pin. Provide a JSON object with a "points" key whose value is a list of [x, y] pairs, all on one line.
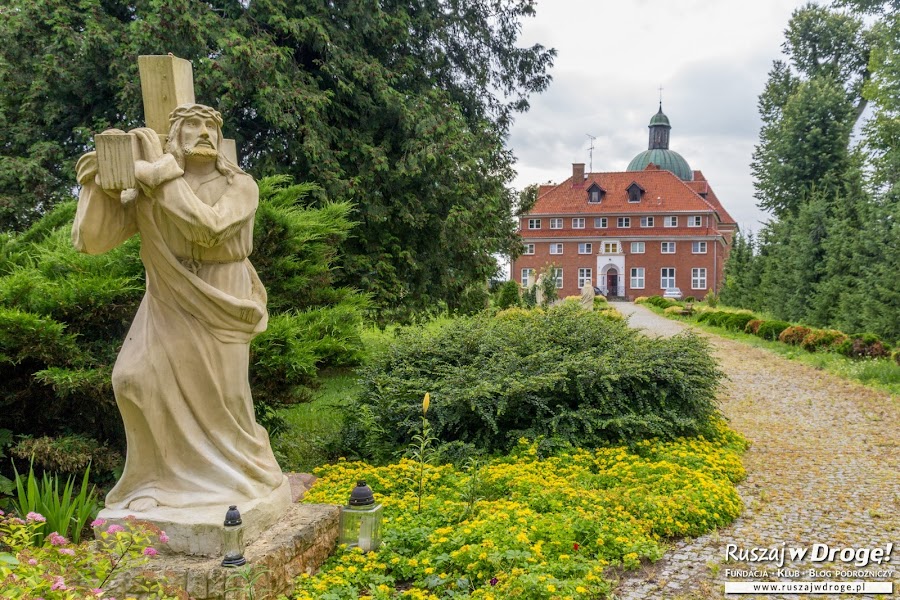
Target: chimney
{"points": [[577, 174]]}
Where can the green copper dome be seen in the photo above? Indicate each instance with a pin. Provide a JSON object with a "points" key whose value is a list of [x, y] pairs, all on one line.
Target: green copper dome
{"points": [[665, 159], [658, 151]]}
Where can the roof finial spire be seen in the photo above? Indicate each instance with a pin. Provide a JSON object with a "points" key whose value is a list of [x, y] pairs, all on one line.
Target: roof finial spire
{"points": [[660, 98]]}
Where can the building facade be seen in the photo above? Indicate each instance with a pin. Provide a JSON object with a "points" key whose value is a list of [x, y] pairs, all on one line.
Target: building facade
{"points": [[656, 226]]}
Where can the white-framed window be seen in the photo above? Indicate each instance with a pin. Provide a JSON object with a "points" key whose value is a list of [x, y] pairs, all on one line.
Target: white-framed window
{"points": [[578, 223], [529, 249], [670, 221], [637, 248], [600, 222], [698, 247], [534, 223], [623, 222], [610, 247], [556, 223], [695, 221], [637, 278], [584, 277], [527, 276], [556, 248], [667, 247], [698, 279], [667, 277], [594, 197], [585, 248], [646, 221], [558, 275]]}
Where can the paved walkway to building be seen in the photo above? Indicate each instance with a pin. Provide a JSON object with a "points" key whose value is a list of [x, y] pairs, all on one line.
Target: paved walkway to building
{"points": [[823, 468]]}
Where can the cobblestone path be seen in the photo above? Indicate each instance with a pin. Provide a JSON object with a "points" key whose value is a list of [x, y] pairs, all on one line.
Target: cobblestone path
{"points": [[823, 468]]}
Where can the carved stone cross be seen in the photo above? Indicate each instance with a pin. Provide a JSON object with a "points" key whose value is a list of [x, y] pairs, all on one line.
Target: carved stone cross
{"points": [[166, 82]]}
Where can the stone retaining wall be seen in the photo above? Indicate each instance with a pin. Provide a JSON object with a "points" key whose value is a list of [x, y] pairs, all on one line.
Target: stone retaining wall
{"points": [[299, 543]]}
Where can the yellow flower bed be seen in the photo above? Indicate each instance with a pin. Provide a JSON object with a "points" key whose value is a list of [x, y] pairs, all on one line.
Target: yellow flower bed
{"points": [[540, 527]]}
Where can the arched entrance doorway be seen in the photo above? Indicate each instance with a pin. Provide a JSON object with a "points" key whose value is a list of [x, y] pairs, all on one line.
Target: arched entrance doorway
{"points": [[612, 282]]}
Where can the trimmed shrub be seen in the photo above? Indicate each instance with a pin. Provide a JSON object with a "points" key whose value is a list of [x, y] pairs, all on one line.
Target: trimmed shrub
{"points": [[641, 299], [822, 339], [864, 345], [770, 330], [660, 302], [690, 299], [566, 373], [794, 335], [673, 310], [753, 326], [712, 299], [737, 321]]}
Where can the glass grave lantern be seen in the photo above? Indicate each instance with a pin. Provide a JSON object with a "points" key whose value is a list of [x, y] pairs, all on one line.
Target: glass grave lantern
{"points": [[361, 519], [233, 539]]}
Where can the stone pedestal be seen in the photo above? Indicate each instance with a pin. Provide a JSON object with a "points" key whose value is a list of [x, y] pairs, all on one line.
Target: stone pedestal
{"points": [[198, 531], [299, 542]]}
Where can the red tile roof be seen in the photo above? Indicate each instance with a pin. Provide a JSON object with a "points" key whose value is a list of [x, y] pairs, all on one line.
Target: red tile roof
{"points": [[664, 193]]}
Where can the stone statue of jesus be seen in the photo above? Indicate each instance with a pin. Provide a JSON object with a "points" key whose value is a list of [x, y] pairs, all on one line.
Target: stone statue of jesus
{"points": [[181, 379]]}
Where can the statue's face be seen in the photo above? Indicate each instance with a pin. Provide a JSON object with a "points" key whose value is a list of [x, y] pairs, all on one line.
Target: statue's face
{"points": [[200, 138]]}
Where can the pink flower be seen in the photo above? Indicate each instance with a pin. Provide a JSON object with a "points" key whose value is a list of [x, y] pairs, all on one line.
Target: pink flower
{"points": [[115, 529], [163, 538], [32, 561], [33, 516], [150, 551], [68, 551], [17, 521], [57, 540], [59, 584], [2, 513], [97, 591], [98, 523]]}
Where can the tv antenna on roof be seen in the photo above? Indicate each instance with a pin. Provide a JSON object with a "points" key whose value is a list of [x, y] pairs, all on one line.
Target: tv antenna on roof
{"points": [[591, 154]]}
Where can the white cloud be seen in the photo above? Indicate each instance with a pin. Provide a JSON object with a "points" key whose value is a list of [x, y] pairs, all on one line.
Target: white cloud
{"points": [[711, 57]]}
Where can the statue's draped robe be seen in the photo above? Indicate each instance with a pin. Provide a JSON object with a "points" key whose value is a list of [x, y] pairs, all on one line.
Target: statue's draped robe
{"points": [[181, 377]]}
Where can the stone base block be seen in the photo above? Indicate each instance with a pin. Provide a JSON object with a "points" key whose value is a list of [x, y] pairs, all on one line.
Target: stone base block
{"points": [[299, 542], [198, 531]]}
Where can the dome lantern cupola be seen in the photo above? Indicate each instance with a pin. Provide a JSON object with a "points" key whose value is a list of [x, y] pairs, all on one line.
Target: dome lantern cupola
{"points": [[658, 151], [659, 131]]}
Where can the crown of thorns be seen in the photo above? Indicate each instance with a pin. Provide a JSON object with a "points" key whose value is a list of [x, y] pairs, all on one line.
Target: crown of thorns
{"points": [[195, 110]]}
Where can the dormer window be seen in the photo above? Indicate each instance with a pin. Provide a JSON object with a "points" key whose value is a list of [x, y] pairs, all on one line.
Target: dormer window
{"points": [[595, 194], [635, 192]]}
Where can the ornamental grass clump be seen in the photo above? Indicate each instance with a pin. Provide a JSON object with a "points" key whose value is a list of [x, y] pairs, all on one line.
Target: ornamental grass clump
{"points": [[566, 374], [541, 526]]}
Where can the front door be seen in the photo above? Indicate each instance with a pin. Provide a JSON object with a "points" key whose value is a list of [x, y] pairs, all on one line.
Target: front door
{"points": [[612, 281]]}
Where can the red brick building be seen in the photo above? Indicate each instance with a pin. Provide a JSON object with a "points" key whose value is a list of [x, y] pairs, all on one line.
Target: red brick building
{"points": [[657, 225]]}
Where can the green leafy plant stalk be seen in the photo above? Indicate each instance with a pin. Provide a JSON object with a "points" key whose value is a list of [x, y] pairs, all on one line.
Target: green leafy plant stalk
{"points": [[62, 509], [421, 450]]}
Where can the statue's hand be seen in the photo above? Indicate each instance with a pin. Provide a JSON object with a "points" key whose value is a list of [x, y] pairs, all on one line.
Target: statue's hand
{"points": [[153, 174], [148, 141]]}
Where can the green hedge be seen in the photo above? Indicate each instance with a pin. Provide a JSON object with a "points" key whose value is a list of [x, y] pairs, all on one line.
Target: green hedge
{"points": [[568, 374]]}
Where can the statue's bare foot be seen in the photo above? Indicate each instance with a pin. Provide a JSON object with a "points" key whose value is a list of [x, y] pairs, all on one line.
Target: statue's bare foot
{"points": [[142, 504]]}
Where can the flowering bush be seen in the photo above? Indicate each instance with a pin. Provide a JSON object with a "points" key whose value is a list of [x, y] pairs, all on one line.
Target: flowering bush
{"points": [[542, 527], [58, 569]]}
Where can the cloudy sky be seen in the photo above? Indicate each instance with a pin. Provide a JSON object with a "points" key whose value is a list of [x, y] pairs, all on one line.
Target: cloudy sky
{"points": [[711, 58]]}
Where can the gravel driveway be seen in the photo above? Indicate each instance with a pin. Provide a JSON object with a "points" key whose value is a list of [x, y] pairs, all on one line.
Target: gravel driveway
{"points": [[823, 468]]}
